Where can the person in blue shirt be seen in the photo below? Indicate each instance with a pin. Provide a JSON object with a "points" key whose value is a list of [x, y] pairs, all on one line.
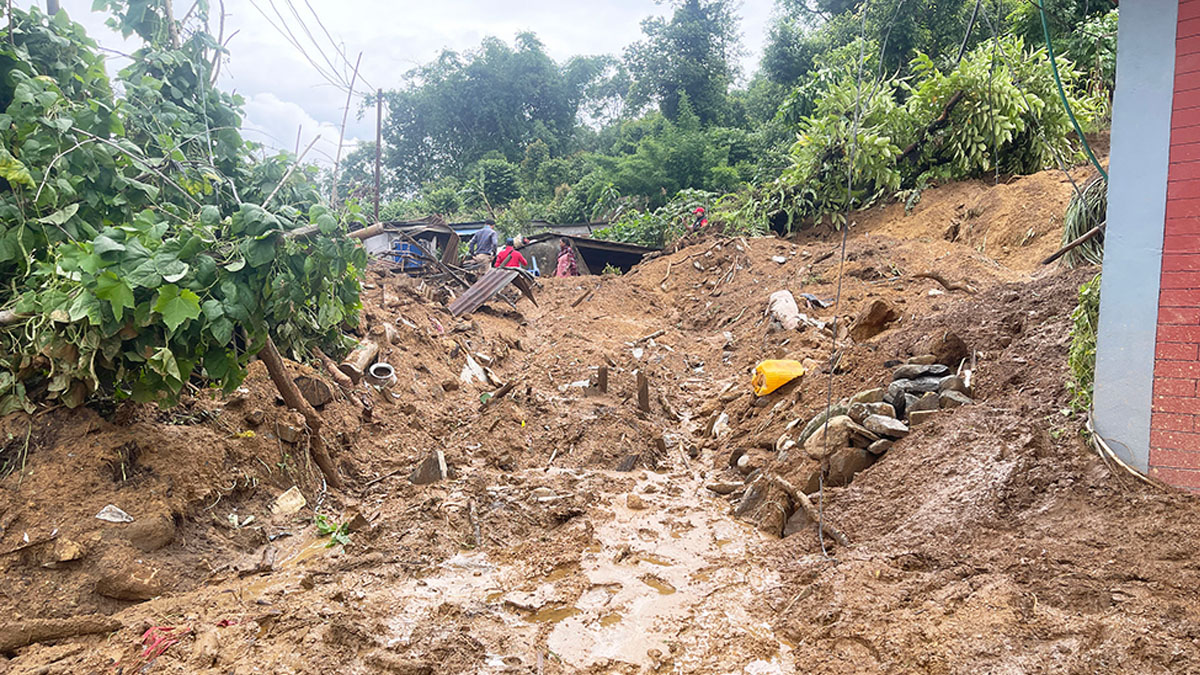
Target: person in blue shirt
{"points": [[483, 245]]}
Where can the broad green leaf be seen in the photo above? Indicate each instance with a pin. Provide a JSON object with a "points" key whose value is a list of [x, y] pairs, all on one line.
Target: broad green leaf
{"points": [[213, 309], [210, 215], [13, 171], [327, 224], [176, 306], [235, 266], [222, 330], [105, 244], [163, 362], [145, 275], [61, 216], [85, 306], [259, 252], [116, 291]]}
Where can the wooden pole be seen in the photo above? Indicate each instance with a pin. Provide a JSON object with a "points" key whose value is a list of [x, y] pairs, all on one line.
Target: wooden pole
{"points": [[602, 379], [378, 145], [1087, 236], [292, 397], [643, 392]]}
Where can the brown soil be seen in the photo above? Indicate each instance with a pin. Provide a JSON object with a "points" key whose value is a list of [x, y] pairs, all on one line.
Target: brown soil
{"points": [[989, 540]]}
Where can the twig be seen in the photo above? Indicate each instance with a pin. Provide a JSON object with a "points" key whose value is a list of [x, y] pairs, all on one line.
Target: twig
{"points": [[585, 296], [662, 285], [647, 338], [474, 517], [942, 280], [288, 173], [382, 478], [144, 163]]}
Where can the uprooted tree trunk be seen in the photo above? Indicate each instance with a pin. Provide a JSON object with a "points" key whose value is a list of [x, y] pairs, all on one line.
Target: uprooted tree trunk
{"points": [[294, 399]]}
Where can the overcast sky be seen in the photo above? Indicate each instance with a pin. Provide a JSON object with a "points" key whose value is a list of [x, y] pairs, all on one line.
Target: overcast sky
{"points": [[284, 92]]}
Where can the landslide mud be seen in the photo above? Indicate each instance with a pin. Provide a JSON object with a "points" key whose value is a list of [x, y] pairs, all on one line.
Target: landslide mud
{"points": [[991, 539]]}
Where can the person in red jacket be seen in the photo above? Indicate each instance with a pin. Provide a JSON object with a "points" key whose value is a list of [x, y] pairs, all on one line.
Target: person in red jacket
{"points": [[510, 256]]}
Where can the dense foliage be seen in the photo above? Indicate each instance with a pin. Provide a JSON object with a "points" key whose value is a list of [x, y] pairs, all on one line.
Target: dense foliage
{"points": [[630, 140], [141, 245]]}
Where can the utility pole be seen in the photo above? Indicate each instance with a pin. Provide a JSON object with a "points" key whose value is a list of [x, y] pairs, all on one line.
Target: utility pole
{"points": [[378, 145], [52, 7]]}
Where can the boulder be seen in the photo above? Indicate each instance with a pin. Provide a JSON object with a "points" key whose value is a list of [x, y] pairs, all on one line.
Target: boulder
{"points": [[842, 431], [913, 371], [133, 582], [895, 397], [954, 399], [922, 384], [872, 321], [845, 464], [947, 348], [880, 446], [818, 420], [928, 401], [151, 534], [886, 426], [868, 396], [799, 522], [860, 411]]}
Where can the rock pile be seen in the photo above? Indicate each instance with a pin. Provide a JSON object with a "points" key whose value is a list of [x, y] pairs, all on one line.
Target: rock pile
{"points": [[839, 443]]}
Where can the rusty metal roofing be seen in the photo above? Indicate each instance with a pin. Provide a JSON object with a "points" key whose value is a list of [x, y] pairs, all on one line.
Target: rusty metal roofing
{"points": [[485, 289]]}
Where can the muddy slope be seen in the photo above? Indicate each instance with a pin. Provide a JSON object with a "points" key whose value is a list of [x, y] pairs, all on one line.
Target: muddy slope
{"points": [[990, 539]]}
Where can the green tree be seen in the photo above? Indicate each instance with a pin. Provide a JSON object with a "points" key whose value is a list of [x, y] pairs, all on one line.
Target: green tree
{"points": [[460, 107], [693, 53]]}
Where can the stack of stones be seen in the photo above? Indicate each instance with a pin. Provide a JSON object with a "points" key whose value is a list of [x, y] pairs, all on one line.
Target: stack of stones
{"points": [[859, 431], [918, 391]]}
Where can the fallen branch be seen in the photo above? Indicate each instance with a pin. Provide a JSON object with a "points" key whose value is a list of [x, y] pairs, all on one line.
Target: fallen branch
{"points": [[17, 634], [647, 338], [500, 393], [9, 317], [1083, 239], [806, 504], [331, 367], [292, 397], [662, 285], [586, 294], [940, 122], [942, 280]]}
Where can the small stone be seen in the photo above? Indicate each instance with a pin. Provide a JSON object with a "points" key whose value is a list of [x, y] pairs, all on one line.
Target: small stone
{"points": [[872, 321], [895, 396], [954, 399], [255, 418], [432, 470], [112, 514], [886, 426], [923, 360], [135, 583], [921, 416], [868, 396], [913, 371], [798, 522], [539, 493], [289, 502], [356, 521], [928, 401], [725, 488], [779, 259], [151, 534], [288, 433], [846, 463], [954, 383], [860, 411], [449, 385], [64, 550], [880, 446], [635, 502]]}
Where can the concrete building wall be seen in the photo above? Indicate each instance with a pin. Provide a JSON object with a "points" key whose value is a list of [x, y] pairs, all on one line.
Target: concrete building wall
{"points": [[1174, 455], [1137, 205]]}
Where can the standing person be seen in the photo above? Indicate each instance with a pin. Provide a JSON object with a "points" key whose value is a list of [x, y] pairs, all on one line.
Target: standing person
{"points": [[567, 266], [510, 256], [483, 245]]}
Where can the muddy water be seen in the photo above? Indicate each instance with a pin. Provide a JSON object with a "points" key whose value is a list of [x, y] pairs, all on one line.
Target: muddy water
{"points": [[655, 588]]}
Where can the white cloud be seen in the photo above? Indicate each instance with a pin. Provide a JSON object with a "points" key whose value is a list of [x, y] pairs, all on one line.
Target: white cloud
{"points": [[284, 91]]}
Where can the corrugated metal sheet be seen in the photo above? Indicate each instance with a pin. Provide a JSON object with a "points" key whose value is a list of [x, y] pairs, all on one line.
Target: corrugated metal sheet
{"points": [[483, 290]]}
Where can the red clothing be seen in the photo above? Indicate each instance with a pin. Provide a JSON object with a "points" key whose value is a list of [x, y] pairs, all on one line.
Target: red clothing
{"points": [[510, 257]]}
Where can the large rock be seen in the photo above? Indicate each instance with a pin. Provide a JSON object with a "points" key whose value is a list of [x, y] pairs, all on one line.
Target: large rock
{"points": [[954, 399], [845, 464], [914, 371], [947, 348], [132, 582], [151, 534], [860, 411], [880, 446], [954, 383], [842, 431], [927, 401], [886, 426], [922, 416], [872, 321], [868, 396], [799, 522]]}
